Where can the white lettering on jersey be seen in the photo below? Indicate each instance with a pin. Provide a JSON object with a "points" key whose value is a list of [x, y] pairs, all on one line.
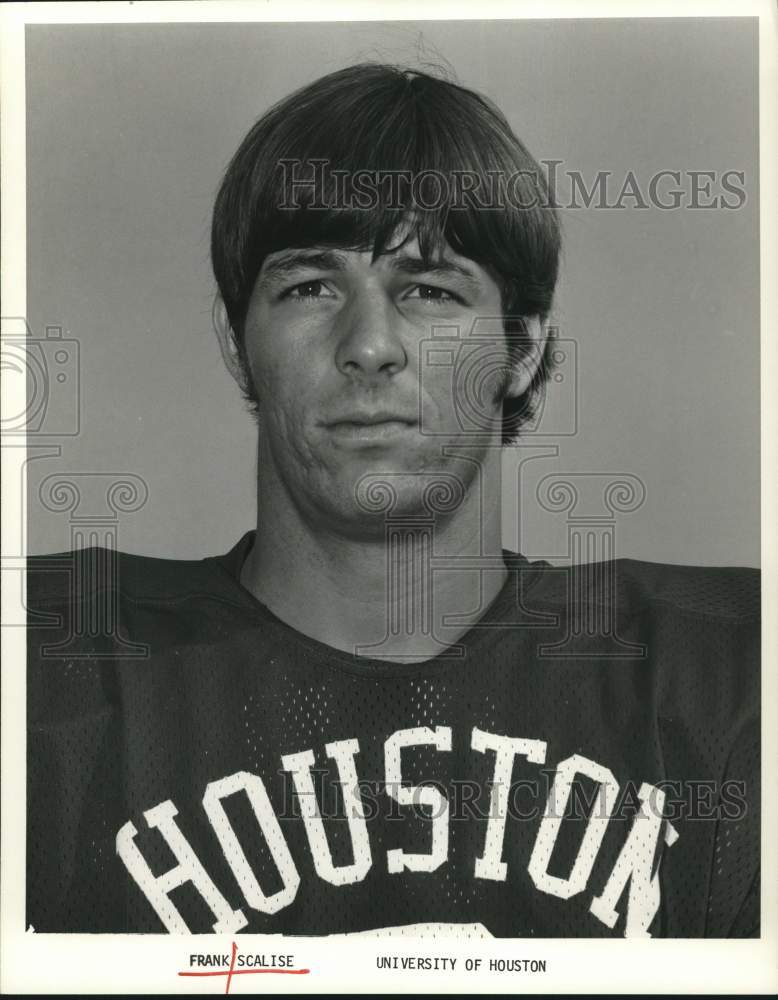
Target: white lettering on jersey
{"points": [[552, 820], [431, 798], [157, 889], [490, 865], [466, 932], [254, 788], [634, 865], [300, 764]]}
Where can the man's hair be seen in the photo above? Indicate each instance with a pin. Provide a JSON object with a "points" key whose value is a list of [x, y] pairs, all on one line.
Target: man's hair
{"points": [[312, 172]]}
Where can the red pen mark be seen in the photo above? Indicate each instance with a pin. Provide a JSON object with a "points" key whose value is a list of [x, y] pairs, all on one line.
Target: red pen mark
{"points": [[232, 971], [232, 966]]}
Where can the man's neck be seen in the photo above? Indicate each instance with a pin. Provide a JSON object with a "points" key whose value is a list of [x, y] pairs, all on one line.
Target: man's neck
{"points": [[387, 598]]}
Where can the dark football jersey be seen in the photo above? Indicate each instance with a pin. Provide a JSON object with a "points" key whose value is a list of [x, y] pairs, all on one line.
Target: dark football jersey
{"points": [[584, 762]]}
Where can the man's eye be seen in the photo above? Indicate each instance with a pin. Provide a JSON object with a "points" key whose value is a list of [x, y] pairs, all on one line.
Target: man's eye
{"points": [[432, 293], [315, 289]]}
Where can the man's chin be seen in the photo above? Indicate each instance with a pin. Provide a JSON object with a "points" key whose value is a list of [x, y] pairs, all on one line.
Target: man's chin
{"points": [[363, 498], [383, 497]]}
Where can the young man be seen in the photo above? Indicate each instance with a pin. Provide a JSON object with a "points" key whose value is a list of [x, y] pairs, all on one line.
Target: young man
{"points": [[367, 715]]}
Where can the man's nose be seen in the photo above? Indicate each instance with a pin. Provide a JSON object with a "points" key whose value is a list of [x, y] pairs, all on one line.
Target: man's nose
{"points": [[370, 345]]}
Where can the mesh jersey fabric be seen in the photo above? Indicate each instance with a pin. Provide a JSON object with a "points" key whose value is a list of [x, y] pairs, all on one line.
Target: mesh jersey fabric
{"points": [[585, 763]]}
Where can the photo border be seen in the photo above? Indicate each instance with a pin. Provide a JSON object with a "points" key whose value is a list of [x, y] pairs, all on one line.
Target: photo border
{"points": [[61, 963]]}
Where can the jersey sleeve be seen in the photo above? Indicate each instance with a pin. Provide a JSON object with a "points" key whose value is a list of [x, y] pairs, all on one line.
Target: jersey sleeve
{"points": [[734, 900], [709, 714], [70, 704]]}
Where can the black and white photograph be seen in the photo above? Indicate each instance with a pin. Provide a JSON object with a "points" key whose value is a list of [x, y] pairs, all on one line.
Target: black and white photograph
{"points": [[383, 515]]}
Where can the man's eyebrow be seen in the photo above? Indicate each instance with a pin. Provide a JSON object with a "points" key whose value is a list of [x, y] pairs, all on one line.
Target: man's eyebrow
{"points": [[331, 260], [443, 267], [295, 260]]}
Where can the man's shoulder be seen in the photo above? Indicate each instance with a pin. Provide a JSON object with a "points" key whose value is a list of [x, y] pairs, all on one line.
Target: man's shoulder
{"points": [[87, 574], [725, 593]]}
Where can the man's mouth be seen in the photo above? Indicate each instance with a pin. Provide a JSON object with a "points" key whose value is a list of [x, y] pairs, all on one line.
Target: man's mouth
{"points": [[371, 427]]}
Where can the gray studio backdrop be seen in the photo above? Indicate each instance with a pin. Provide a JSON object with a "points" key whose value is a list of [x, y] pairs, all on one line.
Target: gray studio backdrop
{"points": [[128, 131]]}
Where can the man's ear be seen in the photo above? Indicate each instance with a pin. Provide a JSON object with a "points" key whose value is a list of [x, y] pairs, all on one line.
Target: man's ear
{"points": [[526, 367], [228, 344]]}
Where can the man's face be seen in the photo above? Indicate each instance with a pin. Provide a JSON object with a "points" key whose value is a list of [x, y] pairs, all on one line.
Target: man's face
{"points": [[348, 385]]}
